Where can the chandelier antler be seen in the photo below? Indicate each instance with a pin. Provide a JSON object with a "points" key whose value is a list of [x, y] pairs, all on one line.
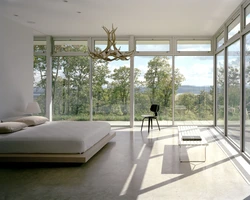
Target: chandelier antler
{"points": [[111, 52]]}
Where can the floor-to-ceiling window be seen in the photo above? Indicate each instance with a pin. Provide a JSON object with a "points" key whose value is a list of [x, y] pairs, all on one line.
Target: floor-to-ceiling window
{"points": [[70, 81], [233, 91], [111, 87], [109, 82], [153, 85], [153, 79], [220, 95], [247, 93], [233, 79], [194, 96]]}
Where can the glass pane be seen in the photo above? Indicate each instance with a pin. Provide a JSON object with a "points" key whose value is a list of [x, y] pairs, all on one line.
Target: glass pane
{"points": [[247, 92], [153, 85], [123, 45], [70, 46], [220, 40], [220, 89], [39, 46], [39, 83], [193, 45], [233, 60], [234, 27], [194, 97], [111, 92], [152, 45], [70, 88], [247, 15]]}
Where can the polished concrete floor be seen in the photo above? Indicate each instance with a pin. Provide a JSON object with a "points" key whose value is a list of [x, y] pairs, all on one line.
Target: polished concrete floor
{"points": [[134, 166]]}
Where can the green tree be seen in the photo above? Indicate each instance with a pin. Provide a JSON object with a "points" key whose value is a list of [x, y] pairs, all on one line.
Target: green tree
{"points": [[100, 76], [188, 100], [159, 81], [39, 69], [234, 88], [247, 82], [70, 82], [204, 105], [120, 87]]}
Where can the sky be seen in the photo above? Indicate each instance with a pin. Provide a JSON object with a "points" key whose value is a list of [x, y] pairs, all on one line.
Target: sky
{"points": [[198, 70]]}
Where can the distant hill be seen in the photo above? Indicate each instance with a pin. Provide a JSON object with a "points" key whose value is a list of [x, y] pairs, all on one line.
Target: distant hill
{"points": [[37, 91], [182, 89], [193, 89]]}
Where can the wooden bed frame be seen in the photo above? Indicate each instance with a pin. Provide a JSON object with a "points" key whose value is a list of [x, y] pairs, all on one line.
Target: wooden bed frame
{"points": [[58, 158]]}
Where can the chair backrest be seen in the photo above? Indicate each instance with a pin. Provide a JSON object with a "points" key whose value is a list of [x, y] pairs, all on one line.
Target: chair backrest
{"points": [[155, 108]]}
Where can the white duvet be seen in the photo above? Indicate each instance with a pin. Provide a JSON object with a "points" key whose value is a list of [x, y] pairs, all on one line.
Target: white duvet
{"points": [[55, 137]]}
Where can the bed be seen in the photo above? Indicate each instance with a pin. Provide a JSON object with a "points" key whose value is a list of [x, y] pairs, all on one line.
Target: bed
{"points": [[59, 141]]}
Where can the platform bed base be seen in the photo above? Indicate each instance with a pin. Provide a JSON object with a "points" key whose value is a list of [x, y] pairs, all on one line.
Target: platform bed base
{"points": [[58, 158]]}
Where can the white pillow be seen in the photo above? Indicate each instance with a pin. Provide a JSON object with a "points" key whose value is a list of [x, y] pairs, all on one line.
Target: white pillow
{"points": [[32, 120], [13, 119], [9, 127]]}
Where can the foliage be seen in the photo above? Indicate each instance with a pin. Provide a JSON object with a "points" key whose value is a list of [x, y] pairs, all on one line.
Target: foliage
{"points": [[110, 89], [194, 107], [159, 80], [157, 87]]}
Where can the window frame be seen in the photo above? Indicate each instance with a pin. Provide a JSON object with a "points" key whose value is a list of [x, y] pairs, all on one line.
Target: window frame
{"points": [[69, 39]]}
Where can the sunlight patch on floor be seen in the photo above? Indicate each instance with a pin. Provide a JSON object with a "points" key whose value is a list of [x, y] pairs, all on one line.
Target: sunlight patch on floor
{"points": [[128, 181]]}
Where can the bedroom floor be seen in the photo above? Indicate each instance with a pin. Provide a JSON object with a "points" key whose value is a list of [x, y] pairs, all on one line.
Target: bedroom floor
{"points": [[135, 166]]}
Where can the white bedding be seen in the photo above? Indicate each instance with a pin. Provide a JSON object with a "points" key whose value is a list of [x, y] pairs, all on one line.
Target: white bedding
{"points": [[55, 137]]}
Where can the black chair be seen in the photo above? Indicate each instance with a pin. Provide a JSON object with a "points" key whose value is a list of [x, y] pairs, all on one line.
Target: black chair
{"points": [[155, 109]]}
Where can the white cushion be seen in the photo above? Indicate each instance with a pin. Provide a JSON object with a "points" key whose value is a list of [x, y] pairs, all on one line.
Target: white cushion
{"points": [[32, 120]]}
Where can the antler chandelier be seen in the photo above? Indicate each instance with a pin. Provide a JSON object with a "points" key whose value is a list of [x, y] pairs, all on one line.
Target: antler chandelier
{"points": [[111, 52]]}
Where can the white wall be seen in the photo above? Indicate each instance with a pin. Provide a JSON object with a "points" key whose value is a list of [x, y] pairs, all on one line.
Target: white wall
{"points": [[16, 67]]}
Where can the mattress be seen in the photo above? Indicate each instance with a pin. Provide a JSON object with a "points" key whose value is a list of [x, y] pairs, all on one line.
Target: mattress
{"points": [[55, 137]]}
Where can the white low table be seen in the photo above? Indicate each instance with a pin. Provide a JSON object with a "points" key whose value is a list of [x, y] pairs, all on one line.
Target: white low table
{"points": [[190, 131]]}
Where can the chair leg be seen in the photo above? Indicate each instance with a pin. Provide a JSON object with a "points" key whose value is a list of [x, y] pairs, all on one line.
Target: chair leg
{"points": [[151, 121], [149, 124], [142, 124], [158, 124]]}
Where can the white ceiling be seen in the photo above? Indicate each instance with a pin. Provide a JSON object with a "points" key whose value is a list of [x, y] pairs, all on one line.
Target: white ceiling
{"points": [[132, 17]]}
